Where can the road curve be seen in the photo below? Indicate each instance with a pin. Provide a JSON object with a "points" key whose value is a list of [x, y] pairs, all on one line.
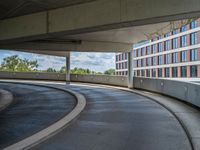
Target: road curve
{"points": [[34, 108], [119, 120]]}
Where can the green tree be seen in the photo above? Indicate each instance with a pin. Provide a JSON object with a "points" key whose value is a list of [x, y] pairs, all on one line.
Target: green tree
{"points": [[83, 71], [14, 63], [51, 70], [109, 72], [63, 69]]}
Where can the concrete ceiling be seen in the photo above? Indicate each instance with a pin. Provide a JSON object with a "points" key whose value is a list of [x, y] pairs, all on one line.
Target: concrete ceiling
{"points": [[13, 8], [87, 25]]}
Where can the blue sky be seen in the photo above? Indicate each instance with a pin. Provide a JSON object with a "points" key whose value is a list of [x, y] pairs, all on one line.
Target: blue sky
{"points": [[94, 61]]}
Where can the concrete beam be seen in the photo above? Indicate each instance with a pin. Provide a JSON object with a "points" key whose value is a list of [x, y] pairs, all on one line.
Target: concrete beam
{"points": [[95, 16], [53, 47], [68, 68]]}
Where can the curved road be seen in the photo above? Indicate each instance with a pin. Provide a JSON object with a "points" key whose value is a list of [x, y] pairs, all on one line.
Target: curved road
{"points": [[34, 109], [119, 120]]}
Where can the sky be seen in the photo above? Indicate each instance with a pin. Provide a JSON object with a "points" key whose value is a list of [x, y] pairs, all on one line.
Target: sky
{"points": [[94, 61]]}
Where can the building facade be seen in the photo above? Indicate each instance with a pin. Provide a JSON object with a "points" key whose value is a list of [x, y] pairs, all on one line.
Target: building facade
{"points": [[173, 55]]}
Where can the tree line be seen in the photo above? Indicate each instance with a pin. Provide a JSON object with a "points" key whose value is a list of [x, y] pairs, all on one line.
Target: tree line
{"points": [[16, 64]]}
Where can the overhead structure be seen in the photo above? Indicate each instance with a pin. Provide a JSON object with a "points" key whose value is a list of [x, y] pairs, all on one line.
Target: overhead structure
{"points": [[57, 27], [87, 25]]}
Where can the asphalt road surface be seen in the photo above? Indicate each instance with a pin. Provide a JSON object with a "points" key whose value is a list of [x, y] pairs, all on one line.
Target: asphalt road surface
{"points": [[34, 109], [119, 120]]}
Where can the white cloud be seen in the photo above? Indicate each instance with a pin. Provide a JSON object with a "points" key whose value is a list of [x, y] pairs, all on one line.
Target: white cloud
{"points": [[93, 61]]}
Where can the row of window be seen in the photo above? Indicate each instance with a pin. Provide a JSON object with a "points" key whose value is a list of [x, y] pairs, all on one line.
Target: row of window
{"points": [[168, 58], [193, 24], [122, 73], [123, 65], [166, 71], [174, 45], [120, 57]]}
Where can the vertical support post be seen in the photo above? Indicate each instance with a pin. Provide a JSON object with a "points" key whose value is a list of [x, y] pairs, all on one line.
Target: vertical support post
{"points": [[68, 68], [130, 69]]}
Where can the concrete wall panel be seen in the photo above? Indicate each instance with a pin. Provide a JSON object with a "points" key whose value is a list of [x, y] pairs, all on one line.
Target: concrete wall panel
{"points": [[185, 91]]}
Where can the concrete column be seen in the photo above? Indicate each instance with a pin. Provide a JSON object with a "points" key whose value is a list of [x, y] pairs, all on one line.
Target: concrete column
{"points": [[68, 68], [130, 69]]}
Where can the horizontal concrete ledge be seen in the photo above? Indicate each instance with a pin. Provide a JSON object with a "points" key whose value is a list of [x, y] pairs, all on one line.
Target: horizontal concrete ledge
{"points": [[100, 79], [6, 98], [184, 91], [54, 128]]}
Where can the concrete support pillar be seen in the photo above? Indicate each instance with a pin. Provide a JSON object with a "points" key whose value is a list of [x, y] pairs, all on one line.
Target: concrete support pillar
{"points": [[68, 68], [130, 69]]}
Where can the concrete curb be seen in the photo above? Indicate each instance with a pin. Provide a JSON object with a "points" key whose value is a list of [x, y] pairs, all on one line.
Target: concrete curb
{"points": [[54, 128], [6, 98]]}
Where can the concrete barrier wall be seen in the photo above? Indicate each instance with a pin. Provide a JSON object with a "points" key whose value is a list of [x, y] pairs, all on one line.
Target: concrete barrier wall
{"points": [[100, 79], [32, 76], [185, 91]]}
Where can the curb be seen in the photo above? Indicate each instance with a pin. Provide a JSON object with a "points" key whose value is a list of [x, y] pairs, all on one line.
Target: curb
{"points": [[6, 98], [48, 132]]}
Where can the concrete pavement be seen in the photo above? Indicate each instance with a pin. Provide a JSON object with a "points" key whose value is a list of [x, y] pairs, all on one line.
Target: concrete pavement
{"points": [[34, 109]]}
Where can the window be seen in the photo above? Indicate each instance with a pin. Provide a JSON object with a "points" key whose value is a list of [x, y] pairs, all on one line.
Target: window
{"points": [[160, 60], [138, 53], [174, 43], [138, 73], [167, 45], [126, 65], [154, 73], [183, 28], [193, 24], [116, 66], [167, 35], [167, 58], [174, 32], [167, 72], [174, 72], [193, 71], [160, 72], [183, 41], [153, 61], [142, 73], [116, 58], [126, 56], [193, 38], [148, 50], [183, 56], [142, 62], [139, 63], [183, 71], [135, 73], [193, 55], [159, 47], [122, 65], [153, 47], [174, 57], [159, 37], [154, 39], [148, 72], [143, 51], [148, 61]]}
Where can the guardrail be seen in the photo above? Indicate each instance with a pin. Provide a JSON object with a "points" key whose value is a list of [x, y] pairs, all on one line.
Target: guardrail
{"points": [[32, 76], [99, 79], [185, 91]]}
